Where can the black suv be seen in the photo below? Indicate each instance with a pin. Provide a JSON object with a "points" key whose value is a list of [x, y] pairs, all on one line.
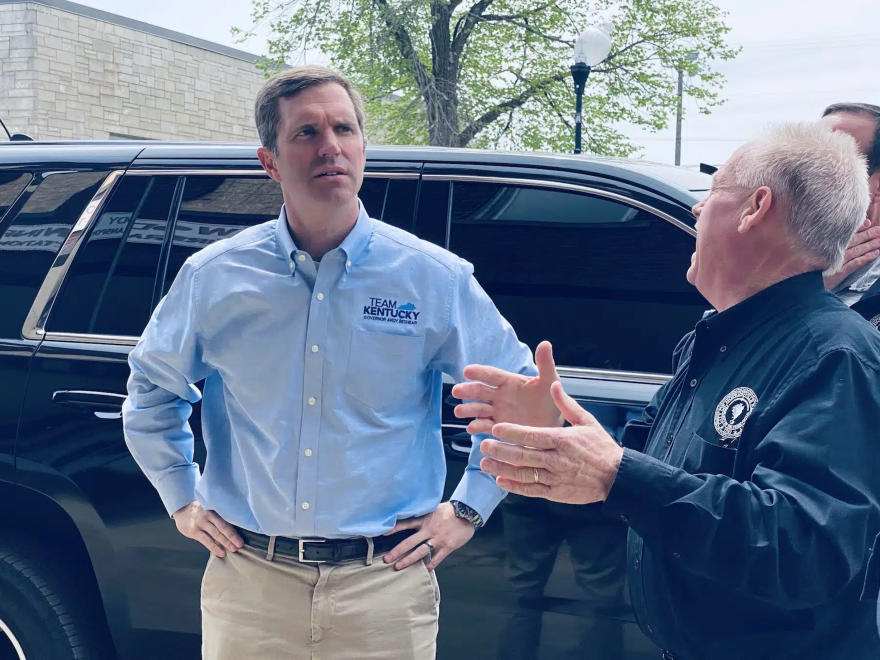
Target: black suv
{"points": [[588, 253]]}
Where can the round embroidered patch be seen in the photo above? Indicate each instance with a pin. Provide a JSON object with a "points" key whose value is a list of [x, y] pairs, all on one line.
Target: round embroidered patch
{"points": [[732, 413]]}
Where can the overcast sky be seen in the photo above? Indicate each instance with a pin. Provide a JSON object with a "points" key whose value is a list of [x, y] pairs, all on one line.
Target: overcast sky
{"points": [[797, 58]]}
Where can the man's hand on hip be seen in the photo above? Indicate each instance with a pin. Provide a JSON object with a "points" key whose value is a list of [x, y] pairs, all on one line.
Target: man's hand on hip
{"points": [[207, 528], [574, 465], [501, 396], [441, 530], [863, 249]]}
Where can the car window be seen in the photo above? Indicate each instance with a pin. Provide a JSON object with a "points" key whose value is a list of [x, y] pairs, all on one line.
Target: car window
{"points": [[400, 203], [433, 212], [28, 247], [216, 207], [110, 287], [372, 195], [11, 186], [603, 281]]}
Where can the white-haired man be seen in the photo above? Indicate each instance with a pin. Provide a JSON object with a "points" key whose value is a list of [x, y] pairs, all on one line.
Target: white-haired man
{"points": [[750, 484]]}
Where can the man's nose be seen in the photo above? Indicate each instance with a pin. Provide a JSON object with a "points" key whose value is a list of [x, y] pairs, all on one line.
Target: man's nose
{"points": [[329, 144], [697, 209]]}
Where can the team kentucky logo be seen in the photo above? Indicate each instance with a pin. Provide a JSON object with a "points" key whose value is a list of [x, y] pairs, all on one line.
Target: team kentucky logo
{"points": [[388, 311], [875, 321], [732, 413]]}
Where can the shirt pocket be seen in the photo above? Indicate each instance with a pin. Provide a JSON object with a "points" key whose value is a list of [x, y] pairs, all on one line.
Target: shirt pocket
{"points": [[382, 368], [704, 457]]}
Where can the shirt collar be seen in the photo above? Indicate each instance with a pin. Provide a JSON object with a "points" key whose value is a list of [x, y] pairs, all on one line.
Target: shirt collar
{"points": [[733, 324], [353, 245]]}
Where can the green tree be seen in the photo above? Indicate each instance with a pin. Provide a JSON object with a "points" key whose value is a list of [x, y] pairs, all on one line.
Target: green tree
{"points": [[495, 73]]}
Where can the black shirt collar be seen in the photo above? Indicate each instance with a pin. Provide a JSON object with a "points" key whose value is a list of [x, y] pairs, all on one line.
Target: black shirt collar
{"points": [[733, 324]]}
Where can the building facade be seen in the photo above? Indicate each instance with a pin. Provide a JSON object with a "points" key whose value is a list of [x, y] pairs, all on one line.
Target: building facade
{"points": [[73, 72]]}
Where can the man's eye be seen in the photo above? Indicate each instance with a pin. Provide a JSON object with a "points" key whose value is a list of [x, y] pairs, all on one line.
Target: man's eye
{"points": [[345, 128]]}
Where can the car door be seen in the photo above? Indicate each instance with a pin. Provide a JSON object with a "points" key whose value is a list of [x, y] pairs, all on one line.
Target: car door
{"points": [[602, 278]]}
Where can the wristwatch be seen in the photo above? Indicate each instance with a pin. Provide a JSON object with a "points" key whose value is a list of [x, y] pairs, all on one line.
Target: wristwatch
{"points": [[462, 510]]}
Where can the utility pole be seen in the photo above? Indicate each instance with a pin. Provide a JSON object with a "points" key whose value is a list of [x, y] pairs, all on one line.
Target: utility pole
{"points": [[692, 56], [678, 118]]}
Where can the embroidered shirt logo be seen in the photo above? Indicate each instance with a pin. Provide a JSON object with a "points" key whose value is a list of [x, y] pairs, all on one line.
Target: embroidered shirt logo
{"points": [[875, 321], [389, 311], [732, 413]]}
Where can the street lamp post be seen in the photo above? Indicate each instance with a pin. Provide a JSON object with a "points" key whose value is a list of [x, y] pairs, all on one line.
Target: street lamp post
{"points": [[590, 49]]}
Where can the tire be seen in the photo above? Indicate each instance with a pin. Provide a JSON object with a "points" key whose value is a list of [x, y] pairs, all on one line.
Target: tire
{"points": [[45, 615]]}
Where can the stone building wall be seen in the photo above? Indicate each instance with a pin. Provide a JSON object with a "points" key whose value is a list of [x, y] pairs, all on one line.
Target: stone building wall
{"points": [[74, 73]]}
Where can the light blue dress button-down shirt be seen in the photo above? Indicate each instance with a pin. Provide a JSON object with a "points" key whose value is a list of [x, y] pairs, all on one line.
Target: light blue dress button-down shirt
{"points": [[323, 383]]}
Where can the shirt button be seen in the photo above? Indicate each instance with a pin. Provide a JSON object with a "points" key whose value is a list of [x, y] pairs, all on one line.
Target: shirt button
{"points": [[305, 506], [315, 348], [348, 264], [320, 296], [650, 630], [723, 349], [302, 257], [308, 452], [676, 555], [312, 401], [624, 519], [694, 382], [637, 564]]}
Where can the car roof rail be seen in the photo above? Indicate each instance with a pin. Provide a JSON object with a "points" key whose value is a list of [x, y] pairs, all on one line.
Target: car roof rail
{"points": [[705, 168]]}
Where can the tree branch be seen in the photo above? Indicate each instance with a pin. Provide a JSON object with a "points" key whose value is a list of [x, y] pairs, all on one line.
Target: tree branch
{"points": [[464, 28], [494, 18], [405, 45], [477, 125]]}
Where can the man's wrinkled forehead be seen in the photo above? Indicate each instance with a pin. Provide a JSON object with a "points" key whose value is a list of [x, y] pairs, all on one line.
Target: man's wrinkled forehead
{"points": [[724, 176]]}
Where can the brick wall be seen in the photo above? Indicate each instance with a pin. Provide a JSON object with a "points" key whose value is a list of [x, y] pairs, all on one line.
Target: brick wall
{"points": [[68, 76]]}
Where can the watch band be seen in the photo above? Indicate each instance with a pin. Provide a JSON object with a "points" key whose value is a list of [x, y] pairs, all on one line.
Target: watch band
{"points": [[465, 512]]}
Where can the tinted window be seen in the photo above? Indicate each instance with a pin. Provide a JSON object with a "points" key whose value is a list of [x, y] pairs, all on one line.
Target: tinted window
{"points": [[11, 185], [603, 281], [372, 195], [29, 245], [216, 207], [400, 204], [109, 289], [433, 212]]}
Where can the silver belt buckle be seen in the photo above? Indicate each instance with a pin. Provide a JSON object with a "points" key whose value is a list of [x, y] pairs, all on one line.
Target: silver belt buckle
{"points": [[302, 559]]}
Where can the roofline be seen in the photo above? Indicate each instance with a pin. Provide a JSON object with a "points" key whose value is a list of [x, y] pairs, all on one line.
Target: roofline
{"points": [[116, 19]]}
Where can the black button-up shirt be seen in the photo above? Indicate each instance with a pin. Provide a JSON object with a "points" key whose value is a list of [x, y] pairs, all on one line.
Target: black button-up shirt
{"points": [[752, 484]]}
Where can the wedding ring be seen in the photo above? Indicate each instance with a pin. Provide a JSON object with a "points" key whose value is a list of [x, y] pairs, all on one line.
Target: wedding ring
{"points": [[536, 474]]}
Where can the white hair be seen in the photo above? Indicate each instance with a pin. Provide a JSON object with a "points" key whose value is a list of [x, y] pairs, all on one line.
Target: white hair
{"points": [[821, 179]]}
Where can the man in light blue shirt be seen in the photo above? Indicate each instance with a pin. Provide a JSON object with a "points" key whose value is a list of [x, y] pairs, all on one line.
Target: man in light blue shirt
{"points": [[322, 339]]}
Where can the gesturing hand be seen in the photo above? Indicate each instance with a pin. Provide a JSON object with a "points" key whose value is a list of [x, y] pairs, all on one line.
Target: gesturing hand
{"points": [[501, 396], [207, 528], [574, 465]]}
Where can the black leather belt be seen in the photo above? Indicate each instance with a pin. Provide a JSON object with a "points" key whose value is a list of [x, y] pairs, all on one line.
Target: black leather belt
{"points": [[323, 551]]}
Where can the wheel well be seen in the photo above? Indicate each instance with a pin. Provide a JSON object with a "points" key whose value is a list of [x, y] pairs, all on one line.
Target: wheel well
{"points": [[41, 520]]}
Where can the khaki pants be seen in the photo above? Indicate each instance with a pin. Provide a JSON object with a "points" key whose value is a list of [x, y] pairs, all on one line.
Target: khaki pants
{"points": [[284, 610]]}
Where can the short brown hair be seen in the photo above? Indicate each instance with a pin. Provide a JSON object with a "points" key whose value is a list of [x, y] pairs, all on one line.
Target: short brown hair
{"points": [[289, 83], [866, 110]]}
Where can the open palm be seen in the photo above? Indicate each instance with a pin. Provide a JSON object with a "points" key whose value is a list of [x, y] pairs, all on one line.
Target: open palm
{"points": [[496, 396]]}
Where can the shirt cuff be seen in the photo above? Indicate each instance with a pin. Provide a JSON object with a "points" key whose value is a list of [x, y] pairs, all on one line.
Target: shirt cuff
{"points": [[640, 488], [177, 488], [480, 492]]}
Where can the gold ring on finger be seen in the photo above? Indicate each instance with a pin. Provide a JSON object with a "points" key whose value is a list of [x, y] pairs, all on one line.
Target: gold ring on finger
{"points": [[536, 474]]}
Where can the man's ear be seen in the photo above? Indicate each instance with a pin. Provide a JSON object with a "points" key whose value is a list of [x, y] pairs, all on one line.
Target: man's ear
{"points": [[267, 160], [756, 210]]}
